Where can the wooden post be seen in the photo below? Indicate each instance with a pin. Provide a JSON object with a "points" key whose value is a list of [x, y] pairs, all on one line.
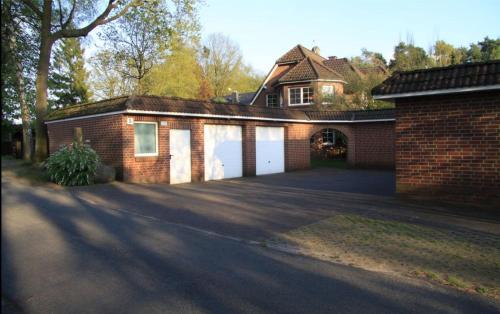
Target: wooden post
{"points": [[78, 136]]}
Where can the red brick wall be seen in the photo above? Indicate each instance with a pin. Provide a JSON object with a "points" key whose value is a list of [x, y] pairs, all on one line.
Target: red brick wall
{"points": [[104, 134], [449, 145], [113, 140], [374, 144]]}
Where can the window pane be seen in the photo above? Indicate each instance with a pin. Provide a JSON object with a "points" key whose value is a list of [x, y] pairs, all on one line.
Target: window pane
{"points": [[294, 96], [327, 90], [307, 96], [272, 100], [145, 138]]}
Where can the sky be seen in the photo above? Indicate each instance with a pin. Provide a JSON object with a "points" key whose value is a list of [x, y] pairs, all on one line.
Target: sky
{"points": [[265, 30]]}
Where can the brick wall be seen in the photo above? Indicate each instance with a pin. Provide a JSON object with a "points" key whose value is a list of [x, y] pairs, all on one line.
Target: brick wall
{"points": [[113, 139], [449, 146], [374, 144], [103, 133]]}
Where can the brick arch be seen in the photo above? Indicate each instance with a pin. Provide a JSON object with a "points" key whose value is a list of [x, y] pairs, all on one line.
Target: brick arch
{"points": [[347, 130]]}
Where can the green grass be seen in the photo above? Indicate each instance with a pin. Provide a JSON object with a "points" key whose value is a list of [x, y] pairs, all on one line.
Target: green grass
{"points": [[329, 163], [463, 259]]}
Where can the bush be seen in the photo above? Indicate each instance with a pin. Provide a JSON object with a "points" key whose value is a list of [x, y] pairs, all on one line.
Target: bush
{"points": [[71, 165]]}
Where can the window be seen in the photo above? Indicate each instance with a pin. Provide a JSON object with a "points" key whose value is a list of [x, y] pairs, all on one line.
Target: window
{"points": [[328, 94], [329, 137], [272, 100], [300, 96], [295, 96], [146, 138]]}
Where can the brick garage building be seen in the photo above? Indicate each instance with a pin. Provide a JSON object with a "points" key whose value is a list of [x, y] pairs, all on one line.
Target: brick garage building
{"points": [[118, 129], [447, 130]]}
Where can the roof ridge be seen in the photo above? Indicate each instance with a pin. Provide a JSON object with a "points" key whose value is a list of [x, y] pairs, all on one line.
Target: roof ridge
{"points": [[449, 67], [311, 62]]}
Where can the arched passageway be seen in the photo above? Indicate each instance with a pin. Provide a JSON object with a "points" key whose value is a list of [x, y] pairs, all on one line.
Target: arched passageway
{"points": [[329, 144]]}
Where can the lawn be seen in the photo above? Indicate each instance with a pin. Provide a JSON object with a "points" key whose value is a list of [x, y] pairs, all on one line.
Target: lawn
{"points": [[329, 163], [463, 259]]}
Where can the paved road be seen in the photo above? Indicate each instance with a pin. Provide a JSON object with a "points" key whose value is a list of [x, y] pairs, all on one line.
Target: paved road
{"points": [[63, 255]]}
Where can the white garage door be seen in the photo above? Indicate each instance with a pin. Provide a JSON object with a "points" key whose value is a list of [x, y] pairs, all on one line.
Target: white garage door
{"points": [[270, 150], [223, 152]]}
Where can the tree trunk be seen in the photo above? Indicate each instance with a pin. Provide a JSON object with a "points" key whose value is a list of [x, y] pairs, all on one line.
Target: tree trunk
{"points": [[25, 117], [42, 76], [21, 92]]}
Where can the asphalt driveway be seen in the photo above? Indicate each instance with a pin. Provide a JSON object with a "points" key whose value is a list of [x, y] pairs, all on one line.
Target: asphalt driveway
{"points": [[193, 248]]}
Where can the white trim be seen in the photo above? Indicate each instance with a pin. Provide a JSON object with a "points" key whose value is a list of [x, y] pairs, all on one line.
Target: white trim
{"points": [[156, 140], [438, 92], [215, 116], [88, 116], [263, 84]]}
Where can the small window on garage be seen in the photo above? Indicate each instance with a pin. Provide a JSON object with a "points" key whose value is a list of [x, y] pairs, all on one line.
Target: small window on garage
{"points": [[146, 138]]}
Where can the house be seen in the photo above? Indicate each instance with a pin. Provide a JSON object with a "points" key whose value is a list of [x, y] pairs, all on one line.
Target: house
{"points": [[447, 130], [302, 77]]}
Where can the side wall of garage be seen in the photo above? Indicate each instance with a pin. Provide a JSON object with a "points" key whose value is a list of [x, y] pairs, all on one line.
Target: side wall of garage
{"points": [[104, 134], [449, 146]]}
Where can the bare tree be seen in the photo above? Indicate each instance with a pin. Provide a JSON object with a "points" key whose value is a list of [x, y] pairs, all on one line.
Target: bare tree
{"points": [[220, 60]]}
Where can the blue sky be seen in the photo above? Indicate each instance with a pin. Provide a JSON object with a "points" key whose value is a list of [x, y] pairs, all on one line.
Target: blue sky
{"points": [[265, 30]]}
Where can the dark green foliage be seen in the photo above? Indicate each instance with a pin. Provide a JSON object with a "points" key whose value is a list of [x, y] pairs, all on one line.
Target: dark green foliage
{"points": [[68, 79], [71, 165]]}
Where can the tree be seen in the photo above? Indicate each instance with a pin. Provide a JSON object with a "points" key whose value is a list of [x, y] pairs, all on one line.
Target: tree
{"points": [[178, 75], [443, 53], [106, 80], [68, 78], [138, 39], [220, 60], [16, 64], [53, 21], [488, 49], [408, 57], [369, 58]]}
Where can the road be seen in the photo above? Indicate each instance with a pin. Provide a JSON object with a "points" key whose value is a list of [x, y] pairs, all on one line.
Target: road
{"points": [[61, 254]]}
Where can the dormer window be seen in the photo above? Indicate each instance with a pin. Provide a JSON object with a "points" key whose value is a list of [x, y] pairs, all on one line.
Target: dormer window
{"points": [[299, 96], [272, 101]]}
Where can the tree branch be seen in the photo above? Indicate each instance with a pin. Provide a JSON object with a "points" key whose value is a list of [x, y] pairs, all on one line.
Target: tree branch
{"points": [[33, 7], [100, 20], [70, 16]]}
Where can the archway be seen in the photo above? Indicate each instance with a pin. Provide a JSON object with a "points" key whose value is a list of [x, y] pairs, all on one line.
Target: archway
{"points": [[329, 146]]}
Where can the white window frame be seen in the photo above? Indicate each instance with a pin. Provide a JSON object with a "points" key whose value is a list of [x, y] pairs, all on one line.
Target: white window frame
{"points": [[156, 140], [302, 103], [277, 100]]}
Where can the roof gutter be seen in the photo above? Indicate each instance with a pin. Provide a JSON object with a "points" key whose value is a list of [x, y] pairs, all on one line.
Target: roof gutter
{"points": [[216, 116], [305, 81], [438, 92]]}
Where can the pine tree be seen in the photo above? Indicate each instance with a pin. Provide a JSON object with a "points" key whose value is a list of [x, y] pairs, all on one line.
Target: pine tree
{"points": [[68, 80]]}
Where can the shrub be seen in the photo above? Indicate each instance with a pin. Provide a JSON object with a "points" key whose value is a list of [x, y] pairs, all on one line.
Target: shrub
{"points": [[71, 165]]}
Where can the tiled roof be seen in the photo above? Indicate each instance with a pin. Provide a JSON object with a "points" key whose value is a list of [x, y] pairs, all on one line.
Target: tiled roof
{"points": [[309, 69], [479, 74], [192, 106], [354, 115], [378, 69], [298, 53], [245, 98], [342, 66]]}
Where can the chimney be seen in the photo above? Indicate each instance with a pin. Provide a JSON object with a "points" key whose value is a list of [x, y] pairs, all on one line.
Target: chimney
{"points": [[332, 57], [316, 50], [236, 97]]}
